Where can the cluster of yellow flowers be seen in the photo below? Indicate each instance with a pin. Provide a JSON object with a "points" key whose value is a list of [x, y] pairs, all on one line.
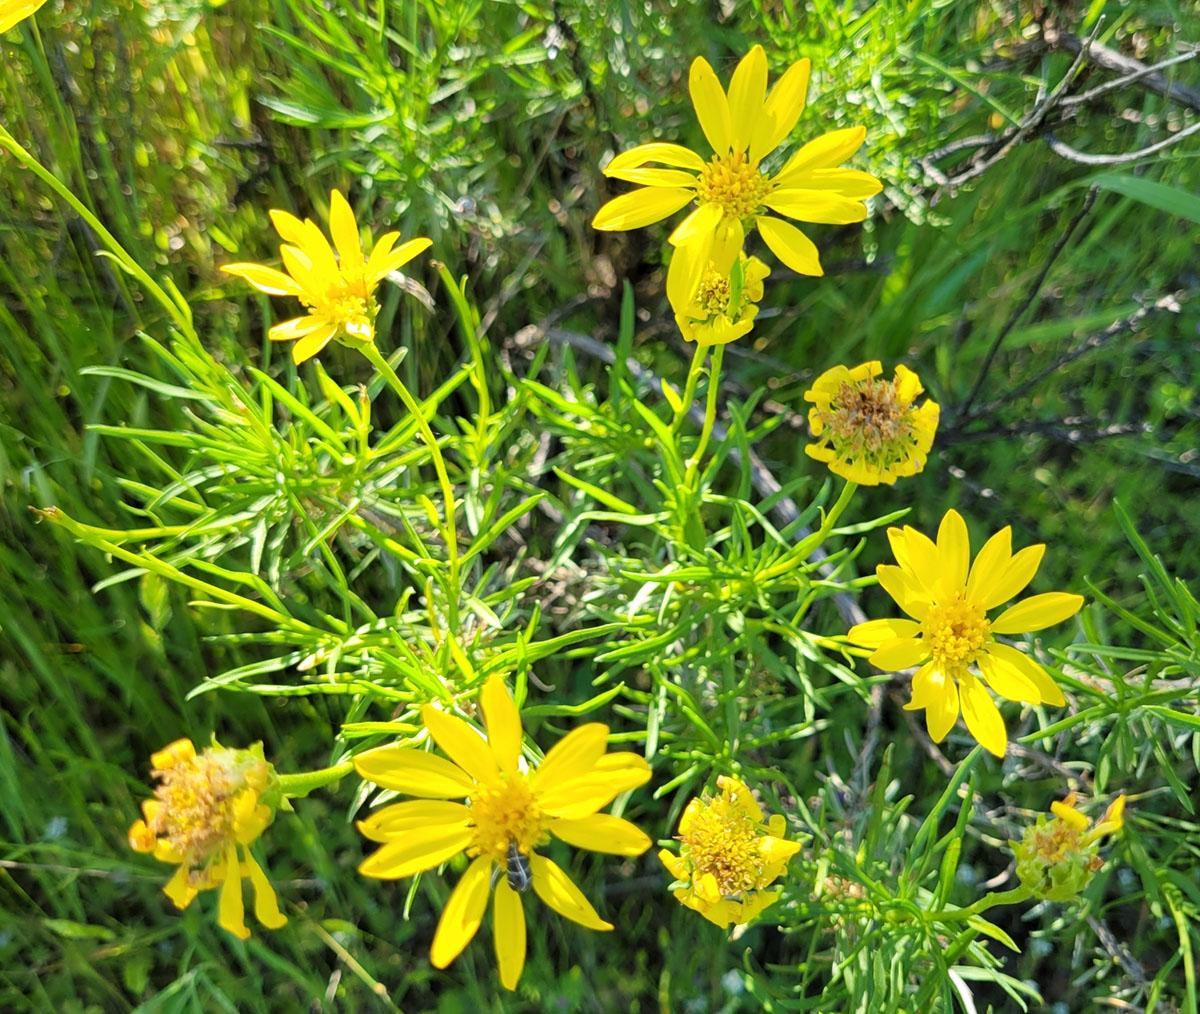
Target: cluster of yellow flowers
{"points": [[489, 798]]}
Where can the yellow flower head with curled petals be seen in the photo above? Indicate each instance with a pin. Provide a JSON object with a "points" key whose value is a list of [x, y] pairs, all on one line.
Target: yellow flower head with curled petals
{"points": [[715, 304], [509, 811], [207, 810], [732, 191], [338, 289], [729, 855], [949, 636], [1058, 855], [870, 430]]}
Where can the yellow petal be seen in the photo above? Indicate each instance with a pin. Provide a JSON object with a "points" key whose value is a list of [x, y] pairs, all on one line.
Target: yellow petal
{"points": [[265, 279], [12, 15], [642, 207], [825, 152], [1007, 680], [1067, 813], [290, 228], [712, 107], [852, 183], [395, 260], [1047, 687], [379, 253], [1037, 612], [954, 551], [602, 832], [462, 743], [901, 653], [231, 911], [580, 797], [988, 567], [503, 722], [781, 111], [300, 266], [1009, 582], [344, 230], [747, 96], [558, 891], [418, 850], [508, 917], [909, 596], [790, 245], [698, 232], [463, 913], [141, 838], [873, 633], [401, 818], [819, 206], [180, 889], [654, 177], [655, 151], [266, 905], [572, 756], [923, 563], [312, 343], [675, 866], [174, 753], [413, 772], [297, 327], [982, 716], [937, 693]]}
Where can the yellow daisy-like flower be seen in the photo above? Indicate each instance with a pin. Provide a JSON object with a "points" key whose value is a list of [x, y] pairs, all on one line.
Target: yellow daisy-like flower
{"points": [[509, 812], [949, 633], [868, 430], [339, 290], [13, 12], [732, 191], [1057, 856], [729, 854], [207, 808], [715, 305]]}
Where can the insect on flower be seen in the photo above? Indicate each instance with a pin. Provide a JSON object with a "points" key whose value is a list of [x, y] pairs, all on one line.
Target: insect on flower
{"points": [[517, 868]]}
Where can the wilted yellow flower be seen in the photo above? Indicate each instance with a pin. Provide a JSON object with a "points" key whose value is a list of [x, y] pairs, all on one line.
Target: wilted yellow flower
{"points": [[509, 811], [339, 291], [949, 632], [1057, 856], [14, 11], [714, 305], [732, 192], [206, 808], [868, 430], [729, 854]]}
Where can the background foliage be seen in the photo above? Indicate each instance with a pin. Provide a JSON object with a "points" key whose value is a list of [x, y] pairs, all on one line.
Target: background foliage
{"points": [[484, 126]]}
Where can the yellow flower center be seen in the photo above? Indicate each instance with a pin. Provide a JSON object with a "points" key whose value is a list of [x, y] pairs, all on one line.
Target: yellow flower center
{"points": [[197, 797], [505, 812], [714, 292], [956, 632], [723, 841], [346, 303], [867, 421], [734, 183]]}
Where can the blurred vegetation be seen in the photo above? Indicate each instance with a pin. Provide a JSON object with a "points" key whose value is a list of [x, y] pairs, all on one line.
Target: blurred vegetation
{"points": [[484, 127]]}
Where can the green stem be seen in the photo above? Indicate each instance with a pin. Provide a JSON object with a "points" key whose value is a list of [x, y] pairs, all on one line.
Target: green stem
{"points": [[298, 785], [376, 358], [710, 416], [804, 549], [178, 311], [689, 390]]}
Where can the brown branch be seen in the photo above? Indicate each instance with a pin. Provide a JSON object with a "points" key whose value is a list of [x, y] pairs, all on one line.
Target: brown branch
{"points": [[1110, 59]]}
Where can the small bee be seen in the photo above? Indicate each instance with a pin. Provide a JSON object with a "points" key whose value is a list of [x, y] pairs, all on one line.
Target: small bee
{"points": [[517, 868]]}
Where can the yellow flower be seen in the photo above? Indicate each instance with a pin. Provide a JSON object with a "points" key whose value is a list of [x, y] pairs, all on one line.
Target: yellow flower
{"points": [[15, 11], [1057, 857], [718, 304], [732, 191], [729, 855], [206, 807], [510, 811], [339, 291], [869, 430], [949, 631]]}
